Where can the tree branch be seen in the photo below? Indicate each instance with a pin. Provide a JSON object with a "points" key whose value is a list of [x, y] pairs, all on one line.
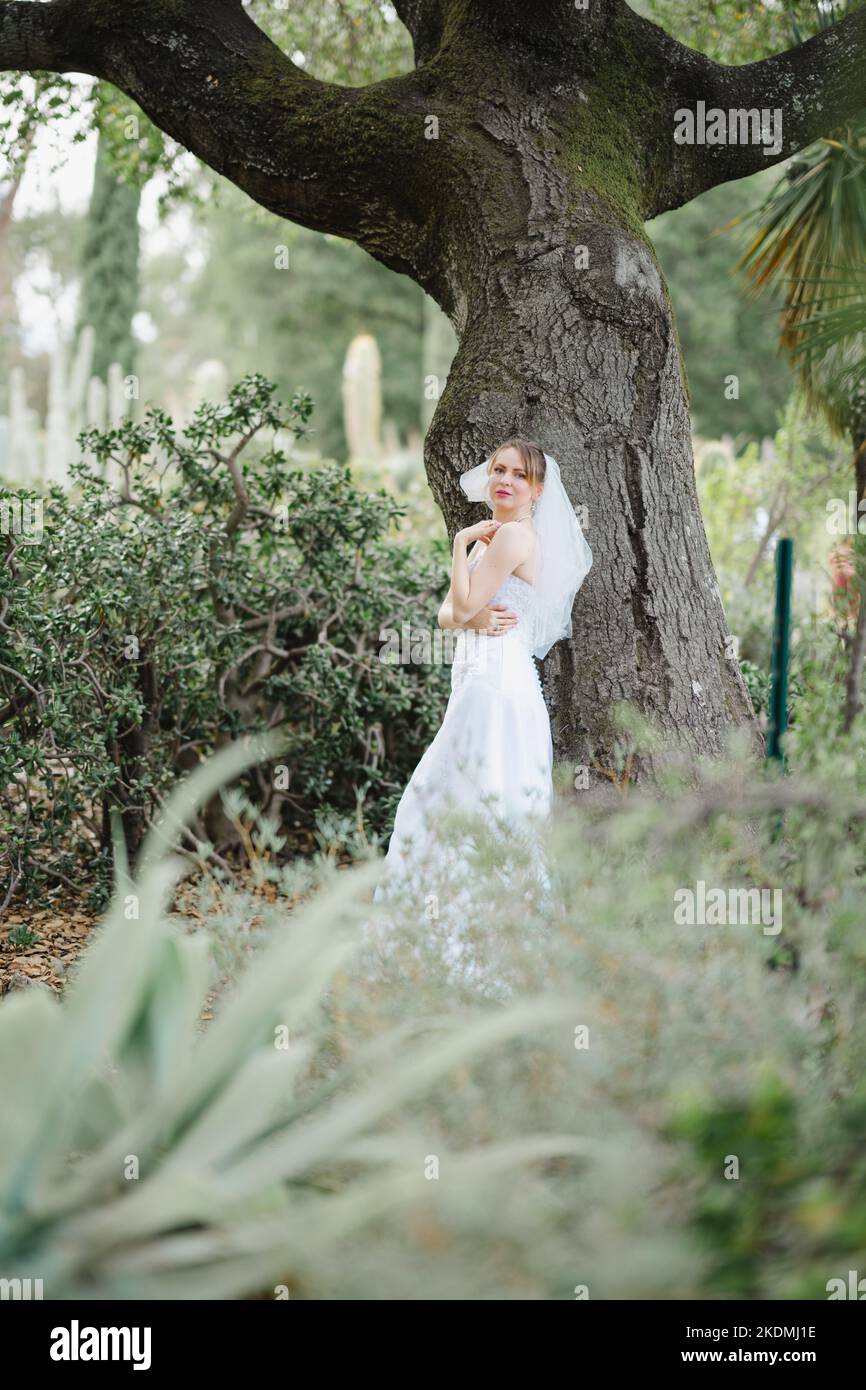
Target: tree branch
{"points": [[816, 86], [424, 19], [336, 159], [548, 26]]}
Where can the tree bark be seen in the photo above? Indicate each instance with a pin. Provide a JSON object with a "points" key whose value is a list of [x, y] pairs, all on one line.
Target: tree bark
{"points": [[567, 335], [857, 655], [510, 175]]}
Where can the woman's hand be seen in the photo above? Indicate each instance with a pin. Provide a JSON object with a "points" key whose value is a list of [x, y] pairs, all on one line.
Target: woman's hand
{"points": [[483, 531], [494, 621]]}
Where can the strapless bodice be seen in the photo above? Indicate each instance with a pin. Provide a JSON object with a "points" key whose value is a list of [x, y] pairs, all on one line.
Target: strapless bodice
{"points": [[474, 648], [519, 596]]}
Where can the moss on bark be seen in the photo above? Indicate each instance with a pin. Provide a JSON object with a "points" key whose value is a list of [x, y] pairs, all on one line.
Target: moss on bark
{"points": [[601, 143]]}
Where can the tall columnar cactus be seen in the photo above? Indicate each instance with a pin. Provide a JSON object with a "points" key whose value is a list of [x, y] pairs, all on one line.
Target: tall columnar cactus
{"points": [[117, 398], [96, 405], [362, 399], [67, 406], [80, 372], [21, 463], [58, 436], [32, 454]]}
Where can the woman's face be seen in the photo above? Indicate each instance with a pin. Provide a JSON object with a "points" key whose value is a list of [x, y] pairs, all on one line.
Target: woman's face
{"points": [[510, 489]]}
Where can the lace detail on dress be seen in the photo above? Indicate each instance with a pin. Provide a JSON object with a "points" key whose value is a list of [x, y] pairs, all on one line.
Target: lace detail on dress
{"points": [[518, 595], [506, 657]]}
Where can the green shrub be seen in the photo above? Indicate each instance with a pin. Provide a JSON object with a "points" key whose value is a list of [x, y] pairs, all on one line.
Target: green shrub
{"points": [[189, 589]]}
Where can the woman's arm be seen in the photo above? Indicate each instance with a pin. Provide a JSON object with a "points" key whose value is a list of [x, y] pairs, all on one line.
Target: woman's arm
{"points": [[446, 614], [472, 592], [483, 620], [446, 617]]}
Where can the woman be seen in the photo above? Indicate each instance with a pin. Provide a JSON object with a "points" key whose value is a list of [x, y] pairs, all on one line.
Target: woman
{"points": [[493, 752]]}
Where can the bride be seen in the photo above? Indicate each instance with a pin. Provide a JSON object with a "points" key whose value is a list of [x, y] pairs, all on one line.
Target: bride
{"points": [[513, 582]]}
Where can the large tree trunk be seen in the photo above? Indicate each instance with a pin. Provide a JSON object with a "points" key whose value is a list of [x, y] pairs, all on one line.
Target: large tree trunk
{"points": [[567, 336], [857, 655]]}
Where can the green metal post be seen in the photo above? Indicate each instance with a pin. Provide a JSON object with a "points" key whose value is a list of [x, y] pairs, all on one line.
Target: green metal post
{"points": [[778, 712]]}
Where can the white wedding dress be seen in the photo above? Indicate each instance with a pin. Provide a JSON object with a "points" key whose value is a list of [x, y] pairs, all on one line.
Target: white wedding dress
{"points": [[476, 816], [492, 757]]}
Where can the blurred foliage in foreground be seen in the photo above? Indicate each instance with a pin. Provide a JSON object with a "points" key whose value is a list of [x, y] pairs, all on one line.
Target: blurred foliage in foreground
{"points": [[580, 1097]]}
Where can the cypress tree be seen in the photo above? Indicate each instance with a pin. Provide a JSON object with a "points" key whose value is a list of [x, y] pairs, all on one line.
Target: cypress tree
{"points": [[109, 272]]}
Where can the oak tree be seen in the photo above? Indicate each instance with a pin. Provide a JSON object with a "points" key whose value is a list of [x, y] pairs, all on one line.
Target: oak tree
{"points": [[510, 174]]}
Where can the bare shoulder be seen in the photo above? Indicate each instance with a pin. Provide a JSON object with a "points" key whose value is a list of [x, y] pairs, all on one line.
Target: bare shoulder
{"points": [[515, 541]]}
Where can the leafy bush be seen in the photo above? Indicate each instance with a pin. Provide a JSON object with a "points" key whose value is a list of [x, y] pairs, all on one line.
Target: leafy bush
{"points": [[191, 588], [757, 684], [702, 1043]]}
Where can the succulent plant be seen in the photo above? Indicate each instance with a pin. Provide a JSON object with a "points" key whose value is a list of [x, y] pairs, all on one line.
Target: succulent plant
{"points": [[144, 1155]]}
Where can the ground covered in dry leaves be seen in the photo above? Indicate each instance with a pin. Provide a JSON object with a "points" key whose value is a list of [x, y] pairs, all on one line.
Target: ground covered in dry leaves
{"points": [[41, 945], [61, 929]]}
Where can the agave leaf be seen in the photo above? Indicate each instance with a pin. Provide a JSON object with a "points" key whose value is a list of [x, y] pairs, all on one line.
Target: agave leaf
{"points": [[100, 1110], [159, 869], [155, 1206], [182, 1196], [97, 1014], [119, 856], [347, 1212], [248, 1105], [177, 1005], [245, 1259], [199, 787], [186, 1185], [31, 1024], [158, 1046], [170, 1018], [300, 1150], [281, 986]]}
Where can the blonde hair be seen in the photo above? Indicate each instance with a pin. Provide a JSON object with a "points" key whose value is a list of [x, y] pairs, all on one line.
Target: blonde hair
{"points": [[531, 456]]}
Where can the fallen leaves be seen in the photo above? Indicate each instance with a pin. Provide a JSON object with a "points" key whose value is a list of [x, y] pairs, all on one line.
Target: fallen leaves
{"points": [[58, 940]]}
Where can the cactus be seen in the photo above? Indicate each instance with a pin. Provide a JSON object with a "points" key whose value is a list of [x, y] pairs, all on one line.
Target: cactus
{"points": [[57, 435], [96, 406], [32, 453], [362, 399], [21, 463]]}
